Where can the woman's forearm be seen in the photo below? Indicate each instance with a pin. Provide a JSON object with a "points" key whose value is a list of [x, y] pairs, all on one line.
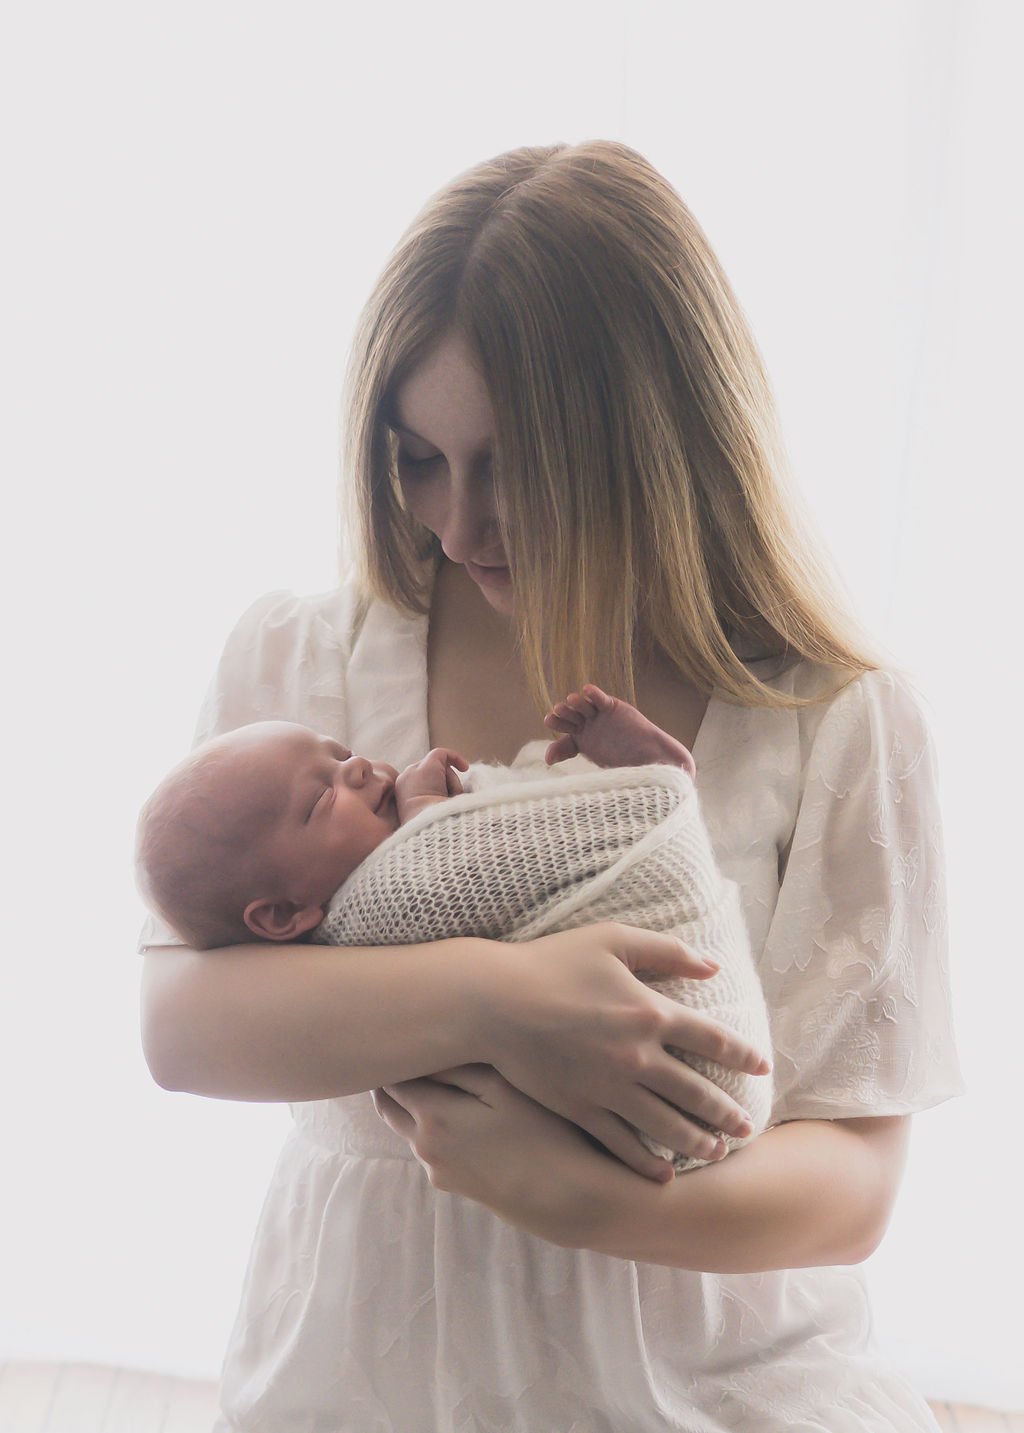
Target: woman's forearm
{"points": [[562, 1018], [808, 1193], [303, 1022]]}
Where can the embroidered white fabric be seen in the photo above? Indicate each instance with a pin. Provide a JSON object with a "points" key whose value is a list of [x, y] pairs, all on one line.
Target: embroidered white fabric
{"points": [[527, 856], [375, 1304]]}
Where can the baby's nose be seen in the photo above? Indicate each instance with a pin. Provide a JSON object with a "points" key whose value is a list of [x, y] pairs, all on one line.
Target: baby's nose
{"points": [[355, 770]]}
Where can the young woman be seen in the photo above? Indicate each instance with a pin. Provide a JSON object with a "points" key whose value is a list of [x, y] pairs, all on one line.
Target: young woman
{"points": [[563, 450]]}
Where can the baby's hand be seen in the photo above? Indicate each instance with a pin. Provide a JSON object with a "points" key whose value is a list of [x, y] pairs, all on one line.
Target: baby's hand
{"points": [[611, 733], [428, 781]]}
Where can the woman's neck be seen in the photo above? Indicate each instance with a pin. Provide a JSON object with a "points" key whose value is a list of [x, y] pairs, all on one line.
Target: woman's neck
{"points": [[478, 702]]}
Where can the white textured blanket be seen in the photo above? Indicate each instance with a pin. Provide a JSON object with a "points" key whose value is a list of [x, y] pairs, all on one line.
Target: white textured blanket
{"points": [[529, 857]]}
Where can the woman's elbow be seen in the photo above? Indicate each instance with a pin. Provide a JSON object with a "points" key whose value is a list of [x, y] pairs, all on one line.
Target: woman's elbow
{"points": [[166, 1020], [862, 1242], [884, 1143], [163, 1061]]}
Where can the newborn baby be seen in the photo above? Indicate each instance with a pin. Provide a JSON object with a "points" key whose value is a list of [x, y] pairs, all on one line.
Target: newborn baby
{"points": [[274, 832], [254, 832]]}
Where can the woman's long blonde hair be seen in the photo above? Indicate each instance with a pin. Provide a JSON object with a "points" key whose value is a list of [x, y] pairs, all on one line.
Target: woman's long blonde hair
{"points": [[638, 466]]}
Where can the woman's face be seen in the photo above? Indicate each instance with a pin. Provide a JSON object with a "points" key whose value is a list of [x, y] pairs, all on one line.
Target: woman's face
{"points": [[445, 427]]}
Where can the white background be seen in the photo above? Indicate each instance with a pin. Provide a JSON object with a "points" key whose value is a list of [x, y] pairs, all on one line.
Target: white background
{"points": [[196, 200]]}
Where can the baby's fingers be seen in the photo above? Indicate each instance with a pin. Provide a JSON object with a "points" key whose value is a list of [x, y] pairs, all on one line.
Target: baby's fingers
{"points": [[453, 763], [564, 749], [563, 718], [446, 757], [599, 700], [581, 703]]}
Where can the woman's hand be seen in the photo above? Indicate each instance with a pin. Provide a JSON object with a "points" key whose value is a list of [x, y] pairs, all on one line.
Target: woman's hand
{"points": [[563, 1018], [478, 1136], [572, 1027], [811, 1192]]}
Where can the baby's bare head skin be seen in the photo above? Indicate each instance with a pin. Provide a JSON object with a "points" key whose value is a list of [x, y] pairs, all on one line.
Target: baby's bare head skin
{"points": [[251, 835], [198, 842]]}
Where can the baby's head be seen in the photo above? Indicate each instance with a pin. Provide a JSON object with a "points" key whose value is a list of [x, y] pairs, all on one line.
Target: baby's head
{"points": [[254, 832]]}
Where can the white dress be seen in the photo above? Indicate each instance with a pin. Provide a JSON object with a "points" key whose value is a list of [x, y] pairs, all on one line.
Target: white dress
{"points": [[376, 1304]]}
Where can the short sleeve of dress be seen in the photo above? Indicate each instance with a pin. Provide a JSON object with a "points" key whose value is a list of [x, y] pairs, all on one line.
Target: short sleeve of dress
{"points": [[855, 963], [285, 660]]}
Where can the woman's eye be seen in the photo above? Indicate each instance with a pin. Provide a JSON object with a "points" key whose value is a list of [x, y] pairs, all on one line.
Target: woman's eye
{"points": [[406, 460]]}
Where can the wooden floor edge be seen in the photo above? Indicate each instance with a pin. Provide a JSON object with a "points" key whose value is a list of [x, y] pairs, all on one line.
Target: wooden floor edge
{"points": [[39, 1396]]}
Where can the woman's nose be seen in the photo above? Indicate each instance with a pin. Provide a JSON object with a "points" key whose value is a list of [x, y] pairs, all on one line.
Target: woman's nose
{"points": [[470, 524]]}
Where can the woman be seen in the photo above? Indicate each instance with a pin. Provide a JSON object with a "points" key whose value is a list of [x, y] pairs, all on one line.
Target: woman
{"points": [[564, 455]]}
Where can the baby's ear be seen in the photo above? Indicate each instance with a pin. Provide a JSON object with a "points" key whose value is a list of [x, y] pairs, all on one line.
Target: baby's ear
{"points": [[281, 920]]}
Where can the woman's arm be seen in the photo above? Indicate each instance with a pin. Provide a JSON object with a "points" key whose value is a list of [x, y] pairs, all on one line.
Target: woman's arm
{"points": [[803, 1194], [812, 1192], [302, 1022], [562, 1017]]}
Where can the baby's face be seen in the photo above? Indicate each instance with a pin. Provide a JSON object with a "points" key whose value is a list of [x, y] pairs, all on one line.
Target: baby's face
{"points": [[330, 809]]}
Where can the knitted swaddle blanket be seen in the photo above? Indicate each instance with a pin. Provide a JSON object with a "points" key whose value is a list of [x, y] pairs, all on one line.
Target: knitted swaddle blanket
{"points": [[530, 857]]}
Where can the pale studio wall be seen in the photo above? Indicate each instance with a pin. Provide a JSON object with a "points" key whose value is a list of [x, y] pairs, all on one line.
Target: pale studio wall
{"points": [[201, 196]]}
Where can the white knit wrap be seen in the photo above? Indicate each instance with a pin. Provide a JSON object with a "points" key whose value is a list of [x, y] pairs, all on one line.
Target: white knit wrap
{"points": [[527, 858]]}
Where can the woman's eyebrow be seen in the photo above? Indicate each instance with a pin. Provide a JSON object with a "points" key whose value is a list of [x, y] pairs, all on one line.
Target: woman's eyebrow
{"points": [[390, 419], [388, 413], [397, 427]]}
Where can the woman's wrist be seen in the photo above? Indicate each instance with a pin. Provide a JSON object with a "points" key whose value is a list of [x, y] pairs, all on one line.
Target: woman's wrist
{"points": [[480, 976]]}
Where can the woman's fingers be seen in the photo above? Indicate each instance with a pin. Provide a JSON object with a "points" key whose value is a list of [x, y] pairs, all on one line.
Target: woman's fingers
{"points": [[416, 1109], [673, 1107], [606, 1056], [403, 1105], [660, 1122], [653, 952], [621, 1140], [420, 1110], [480, 1081], [670, 1110], [658, 954], [393, 1114], [414, 1106], [691, 1033]]}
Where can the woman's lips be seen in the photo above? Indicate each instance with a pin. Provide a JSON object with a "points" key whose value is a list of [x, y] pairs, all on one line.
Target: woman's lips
{"points": [[489, 576]]}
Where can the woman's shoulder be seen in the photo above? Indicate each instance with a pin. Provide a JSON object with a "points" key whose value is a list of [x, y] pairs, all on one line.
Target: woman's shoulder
{"points": [[872, 718], [858, 749], [320, 626], [283, 618], [832, 702], [823, 707], [838, 733], [286, 658]]}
